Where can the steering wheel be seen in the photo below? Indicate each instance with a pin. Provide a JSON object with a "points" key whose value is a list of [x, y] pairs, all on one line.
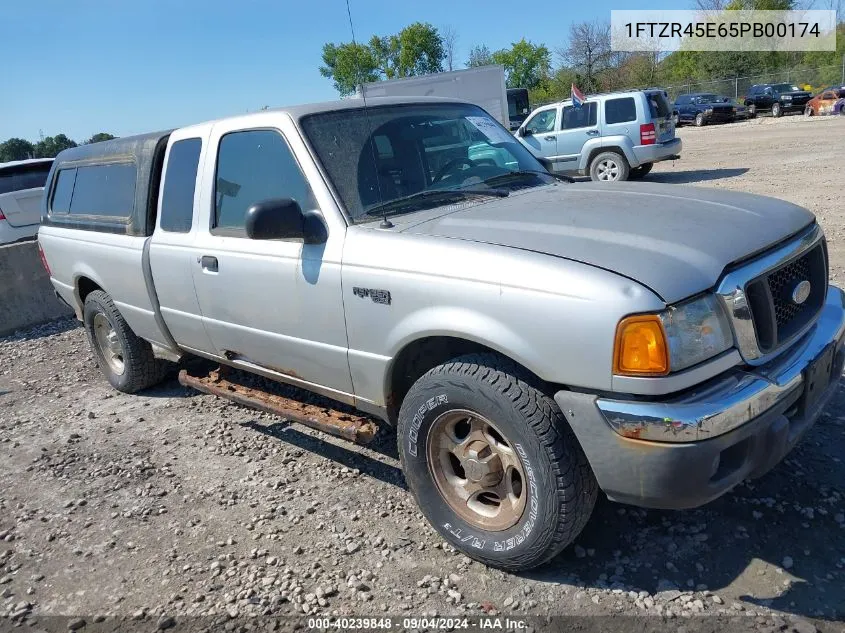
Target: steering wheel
{"points": [[450, 166]]}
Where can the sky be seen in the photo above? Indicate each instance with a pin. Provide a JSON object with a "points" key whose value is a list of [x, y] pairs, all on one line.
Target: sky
{"points": [[126, 67]]}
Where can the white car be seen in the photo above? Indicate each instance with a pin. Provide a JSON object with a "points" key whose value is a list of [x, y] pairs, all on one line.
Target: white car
{"points": [[21, 188]]}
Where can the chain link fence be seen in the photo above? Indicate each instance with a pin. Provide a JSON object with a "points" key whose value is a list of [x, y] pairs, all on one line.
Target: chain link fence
{"points": [[813, 79]]}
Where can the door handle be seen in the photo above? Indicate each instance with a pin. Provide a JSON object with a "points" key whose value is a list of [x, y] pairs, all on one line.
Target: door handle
{"points": [[548, 138], [208, 263], [592, 132]]}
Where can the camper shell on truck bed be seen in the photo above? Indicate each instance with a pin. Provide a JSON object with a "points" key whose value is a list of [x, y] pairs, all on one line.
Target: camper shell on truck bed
{"points": [[128, 168]]}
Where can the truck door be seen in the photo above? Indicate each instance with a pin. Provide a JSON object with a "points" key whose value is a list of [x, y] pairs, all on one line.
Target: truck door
{"points": [[171, 250], [273, 303]]}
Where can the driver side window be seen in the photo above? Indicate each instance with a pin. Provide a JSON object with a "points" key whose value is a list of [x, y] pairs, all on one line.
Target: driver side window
{"points": [[542, 122]]}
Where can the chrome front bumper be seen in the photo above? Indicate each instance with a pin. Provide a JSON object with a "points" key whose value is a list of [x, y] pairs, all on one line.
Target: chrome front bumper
{"points": [[736, 397]]}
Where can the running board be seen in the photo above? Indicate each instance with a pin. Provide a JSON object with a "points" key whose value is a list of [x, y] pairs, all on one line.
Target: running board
{"points": [[349, 426]]}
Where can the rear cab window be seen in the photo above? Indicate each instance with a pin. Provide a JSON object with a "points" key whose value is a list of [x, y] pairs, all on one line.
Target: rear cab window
{"points": [[23, 177], [180, 180]]}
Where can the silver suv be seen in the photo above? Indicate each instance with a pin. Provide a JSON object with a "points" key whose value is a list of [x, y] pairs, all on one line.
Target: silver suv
{"points": [[614, 136]]}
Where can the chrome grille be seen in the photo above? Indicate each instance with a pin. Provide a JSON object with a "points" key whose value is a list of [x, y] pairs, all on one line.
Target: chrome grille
{"points": [[781, 283], [758, 295]]}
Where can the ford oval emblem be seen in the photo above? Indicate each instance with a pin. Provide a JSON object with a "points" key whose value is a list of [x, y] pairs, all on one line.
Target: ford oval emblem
{"points": [[800, 292]]}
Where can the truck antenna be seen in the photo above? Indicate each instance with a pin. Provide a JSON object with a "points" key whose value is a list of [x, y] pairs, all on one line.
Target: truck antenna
{"points": [[385, 223]]}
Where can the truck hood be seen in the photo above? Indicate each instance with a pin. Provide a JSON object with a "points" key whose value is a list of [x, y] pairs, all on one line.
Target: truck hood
{"points": [[675, 240]]}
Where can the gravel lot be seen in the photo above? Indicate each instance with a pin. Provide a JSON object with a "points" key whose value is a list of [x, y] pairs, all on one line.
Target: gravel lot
{"points": [[177, 503]]}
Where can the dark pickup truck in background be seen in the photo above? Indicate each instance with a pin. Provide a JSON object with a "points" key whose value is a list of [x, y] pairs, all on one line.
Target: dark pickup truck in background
{"points": [[776, 98]]}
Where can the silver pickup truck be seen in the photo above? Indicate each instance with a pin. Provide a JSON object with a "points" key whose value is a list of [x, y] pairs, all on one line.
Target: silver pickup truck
{"points": [[532, 340]]}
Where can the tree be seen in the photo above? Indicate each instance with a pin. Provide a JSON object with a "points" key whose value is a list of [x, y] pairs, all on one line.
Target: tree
{"points": [[50, 146], [526, 64], [450, 45], [16, 149], [415, 50], [99, 137], [480, 55], [588, 52], [348, 65]]}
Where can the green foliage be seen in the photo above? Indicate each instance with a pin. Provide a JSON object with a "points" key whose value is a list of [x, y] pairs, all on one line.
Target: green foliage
{"points": [[480, 55], [16, 149], [99, 137], [417, 49], [526, 65], [348, 65], [50, 146]]}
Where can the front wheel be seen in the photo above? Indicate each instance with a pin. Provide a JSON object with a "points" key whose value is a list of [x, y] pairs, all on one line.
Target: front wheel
{"points": [[609, 167], [776, 110], [126, 360], [699, 120], [752, 111], [492, 463]]}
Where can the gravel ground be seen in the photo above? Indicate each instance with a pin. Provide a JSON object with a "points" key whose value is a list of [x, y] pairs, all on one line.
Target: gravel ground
{"points": [[177, 503]]}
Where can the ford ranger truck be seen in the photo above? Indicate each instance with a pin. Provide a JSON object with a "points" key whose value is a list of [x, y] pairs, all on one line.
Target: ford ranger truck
{"points": [[532, 340]]}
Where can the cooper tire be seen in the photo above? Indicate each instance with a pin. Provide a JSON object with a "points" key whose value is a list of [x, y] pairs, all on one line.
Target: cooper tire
{"points": [[699, 120], [559, 487], [609, 167], [126, 360], [640, 172]]}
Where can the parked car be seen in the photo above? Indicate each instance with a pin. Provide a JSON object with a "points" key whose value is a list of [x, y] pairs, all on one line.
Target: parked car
{"points": [[21, 188], [704, 108], [778, 99], [532, 340], [829, 101], [611, 137]]}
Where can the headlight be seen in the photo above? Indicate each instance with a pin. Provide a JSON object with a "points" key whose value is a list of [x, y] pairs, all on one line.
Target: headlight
{"points": [[681, 336], [786, 97]]}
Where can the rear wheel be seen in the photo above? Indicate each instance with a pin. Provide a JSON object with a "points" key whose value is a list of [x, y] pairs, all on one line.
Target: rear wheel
{"points": [[699, 119], [126, 360], [641, 171], [609, 167], [493, 464], [776, 109]]}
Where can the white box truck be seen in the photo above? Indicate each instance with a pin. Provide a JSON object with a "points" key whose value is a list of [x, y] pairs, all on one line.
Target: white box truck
{"points": [[484, 86]]}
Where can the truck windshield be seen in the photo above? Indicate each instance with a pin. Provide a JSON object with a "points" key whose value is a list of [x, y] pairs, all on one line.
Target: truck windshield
{"points": [[393, 153]]}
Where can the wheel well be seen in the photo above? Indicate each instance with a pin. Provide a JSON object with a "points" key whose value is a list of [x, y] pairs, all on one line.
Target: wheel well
{"points": [[600, 150], [417, 358], [85, 287]]}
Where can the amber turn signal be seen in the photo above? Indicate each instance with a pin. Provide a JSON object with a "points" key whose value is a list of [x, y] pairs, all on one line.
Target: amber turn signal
{"points": [[640, 348]]}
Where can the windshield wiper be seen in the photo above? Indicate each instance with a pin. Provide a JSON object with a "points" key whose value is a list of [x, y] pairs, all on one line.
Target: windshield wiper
{"points": [[395, 207], [528, 172]]}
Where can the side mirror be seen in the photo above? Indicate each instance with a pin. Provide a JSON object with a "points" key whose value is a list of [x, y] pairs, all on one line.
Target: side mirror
{"points": [[524, 131], [282, 218]]}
